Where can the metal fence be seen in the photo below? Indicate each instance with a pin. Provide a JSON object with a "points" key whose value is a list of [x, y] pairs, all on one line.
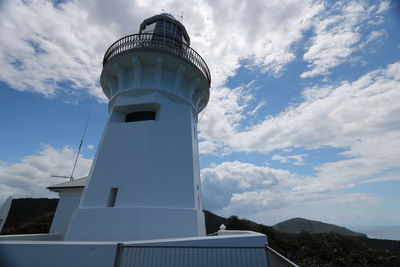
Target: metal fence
{"points": [[198, 256], [193, 256], [159, 42]]}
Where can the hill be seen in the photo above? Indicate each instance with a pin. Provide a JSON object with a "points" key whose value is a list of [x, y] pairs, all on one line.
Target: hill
{"points": [[299, 225], [29, 215], [318, 249]]}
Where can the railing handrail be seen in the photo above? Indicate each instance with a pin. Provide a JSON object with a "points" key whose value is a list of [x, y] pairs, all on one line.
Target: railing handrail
{"points": [[160, 42], [279, 257], [205, 246]]}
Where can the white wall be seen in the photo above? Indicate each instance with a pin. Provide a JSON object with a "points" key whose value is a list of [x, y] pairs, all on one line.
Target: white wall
{"points": [[67, 204], [60, 254]]}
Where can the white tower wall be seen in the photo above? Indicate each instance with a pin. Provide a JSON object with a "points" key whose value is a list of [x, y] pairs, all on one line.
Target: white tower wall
{"points": [[144, 182]]}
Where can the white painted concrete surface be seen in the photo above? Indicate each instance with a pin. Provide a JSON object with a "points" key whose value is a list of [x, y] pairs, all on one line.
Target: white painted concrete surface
{"points": [[67, 204], [60, 254]]}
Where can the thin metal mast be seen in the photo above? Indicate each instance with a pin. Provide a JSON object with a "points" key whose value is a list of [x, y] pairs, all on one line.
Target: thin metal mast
{"points": [[71, 178]]}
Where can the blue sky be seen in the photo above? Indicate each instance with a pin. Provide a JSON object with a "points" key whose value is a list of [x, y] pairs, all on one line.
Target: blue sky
{"points": [[303, 115]]}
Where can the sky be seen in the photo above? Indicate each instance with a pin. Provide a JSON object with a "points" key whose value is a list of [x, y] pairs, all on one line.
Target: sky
{"points": [[303, 118]]}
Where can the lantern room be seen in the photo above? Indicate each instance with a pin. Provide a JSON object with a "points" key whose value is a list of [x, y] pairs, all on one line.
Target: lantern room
{"points": [[167, 26]]}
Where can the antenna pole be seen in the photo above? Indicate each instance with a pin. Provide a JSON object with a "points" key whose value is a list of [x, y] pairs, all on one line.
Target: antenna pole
{"points": [[71, 178]]}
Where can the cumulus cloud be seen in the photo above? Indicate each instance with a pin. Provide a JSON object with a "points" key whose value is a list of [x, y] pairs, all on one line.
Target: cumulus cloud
{"points": [[221, 118], [232, 179], [259, 191], [32, 174]]}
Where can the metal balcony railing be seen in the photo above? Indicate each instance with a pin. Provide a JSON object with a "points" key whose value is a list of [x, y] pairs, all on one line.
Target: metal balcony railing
{"points": [[161, 43]]}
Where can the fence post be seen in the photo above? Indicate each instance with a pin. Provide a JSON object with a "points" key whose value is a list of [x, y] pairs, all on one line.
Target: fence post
{"points": [[118, 254], [266, 255]]}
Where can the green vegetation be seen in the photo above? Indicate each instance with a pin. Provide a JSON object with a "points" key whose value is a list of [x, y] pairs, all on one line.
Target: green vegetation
{"points": [[321, 249], [30, 216], [38, 225]]}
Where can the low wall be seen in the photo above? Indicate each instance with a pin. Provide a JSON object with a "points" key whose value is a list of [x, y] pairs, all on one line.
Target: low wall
{"points": [[60, 254], [244, 248]]}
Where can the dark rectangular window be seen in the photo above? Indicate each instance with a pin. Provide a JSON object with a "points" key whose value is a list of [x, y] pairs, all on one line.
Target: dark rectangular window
{"points": [[140, 116], [112, 197]]}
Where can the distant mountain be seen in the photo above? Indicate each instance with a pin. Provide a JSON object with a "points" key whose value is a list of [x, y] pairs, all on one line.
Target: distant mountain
{"points": [[299, 225]]}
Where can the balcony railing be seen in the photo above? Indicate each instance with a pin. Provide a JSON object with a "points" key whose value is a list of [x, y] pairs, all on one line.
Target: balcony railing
{"points": [[158, 42]]}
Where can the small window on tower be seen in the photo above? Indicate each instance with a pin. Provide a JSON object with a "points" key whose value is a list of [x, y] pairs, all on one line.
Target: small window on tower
{"points": [[140, 116], [112, 197]]}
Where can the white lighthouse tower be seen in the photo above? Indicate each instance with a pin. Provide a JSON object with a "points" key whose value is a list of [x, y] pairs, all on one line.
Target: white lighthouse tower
{"points": [[144, 182]]}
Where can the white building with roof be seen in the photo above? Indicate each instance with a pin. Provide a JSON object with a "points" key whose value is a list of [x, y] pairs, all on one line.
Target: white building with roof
{"points": [[70, 194]]}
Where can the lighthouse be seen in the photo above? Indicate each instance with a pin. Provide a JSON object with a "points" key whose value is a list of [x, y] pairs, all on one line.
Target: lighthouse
{"points": [[144, 182]]}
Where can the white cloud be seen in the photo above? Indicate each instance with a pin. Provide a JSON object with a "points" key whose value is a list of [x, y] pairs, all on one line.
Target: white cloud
{"points": [[373, 36], [229, 180], [58, 49], [261, 192], [337, 35], [257, 108], [383, 6], [257, 30], [221, 118], [336, 116], [279, 158], [31, 176], [50, 50], [296, 159]]}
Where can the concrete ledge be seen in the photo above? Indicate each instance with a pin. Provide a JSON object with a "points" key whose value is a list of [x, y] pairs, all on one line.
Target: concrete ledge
{"points": [[32, 237], [241, 239]]}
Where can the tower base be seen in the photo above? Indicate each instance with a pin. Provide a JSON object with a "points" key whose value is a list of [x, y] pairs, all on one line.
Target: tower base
{"points": [[229, 248], [134, 223]]}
